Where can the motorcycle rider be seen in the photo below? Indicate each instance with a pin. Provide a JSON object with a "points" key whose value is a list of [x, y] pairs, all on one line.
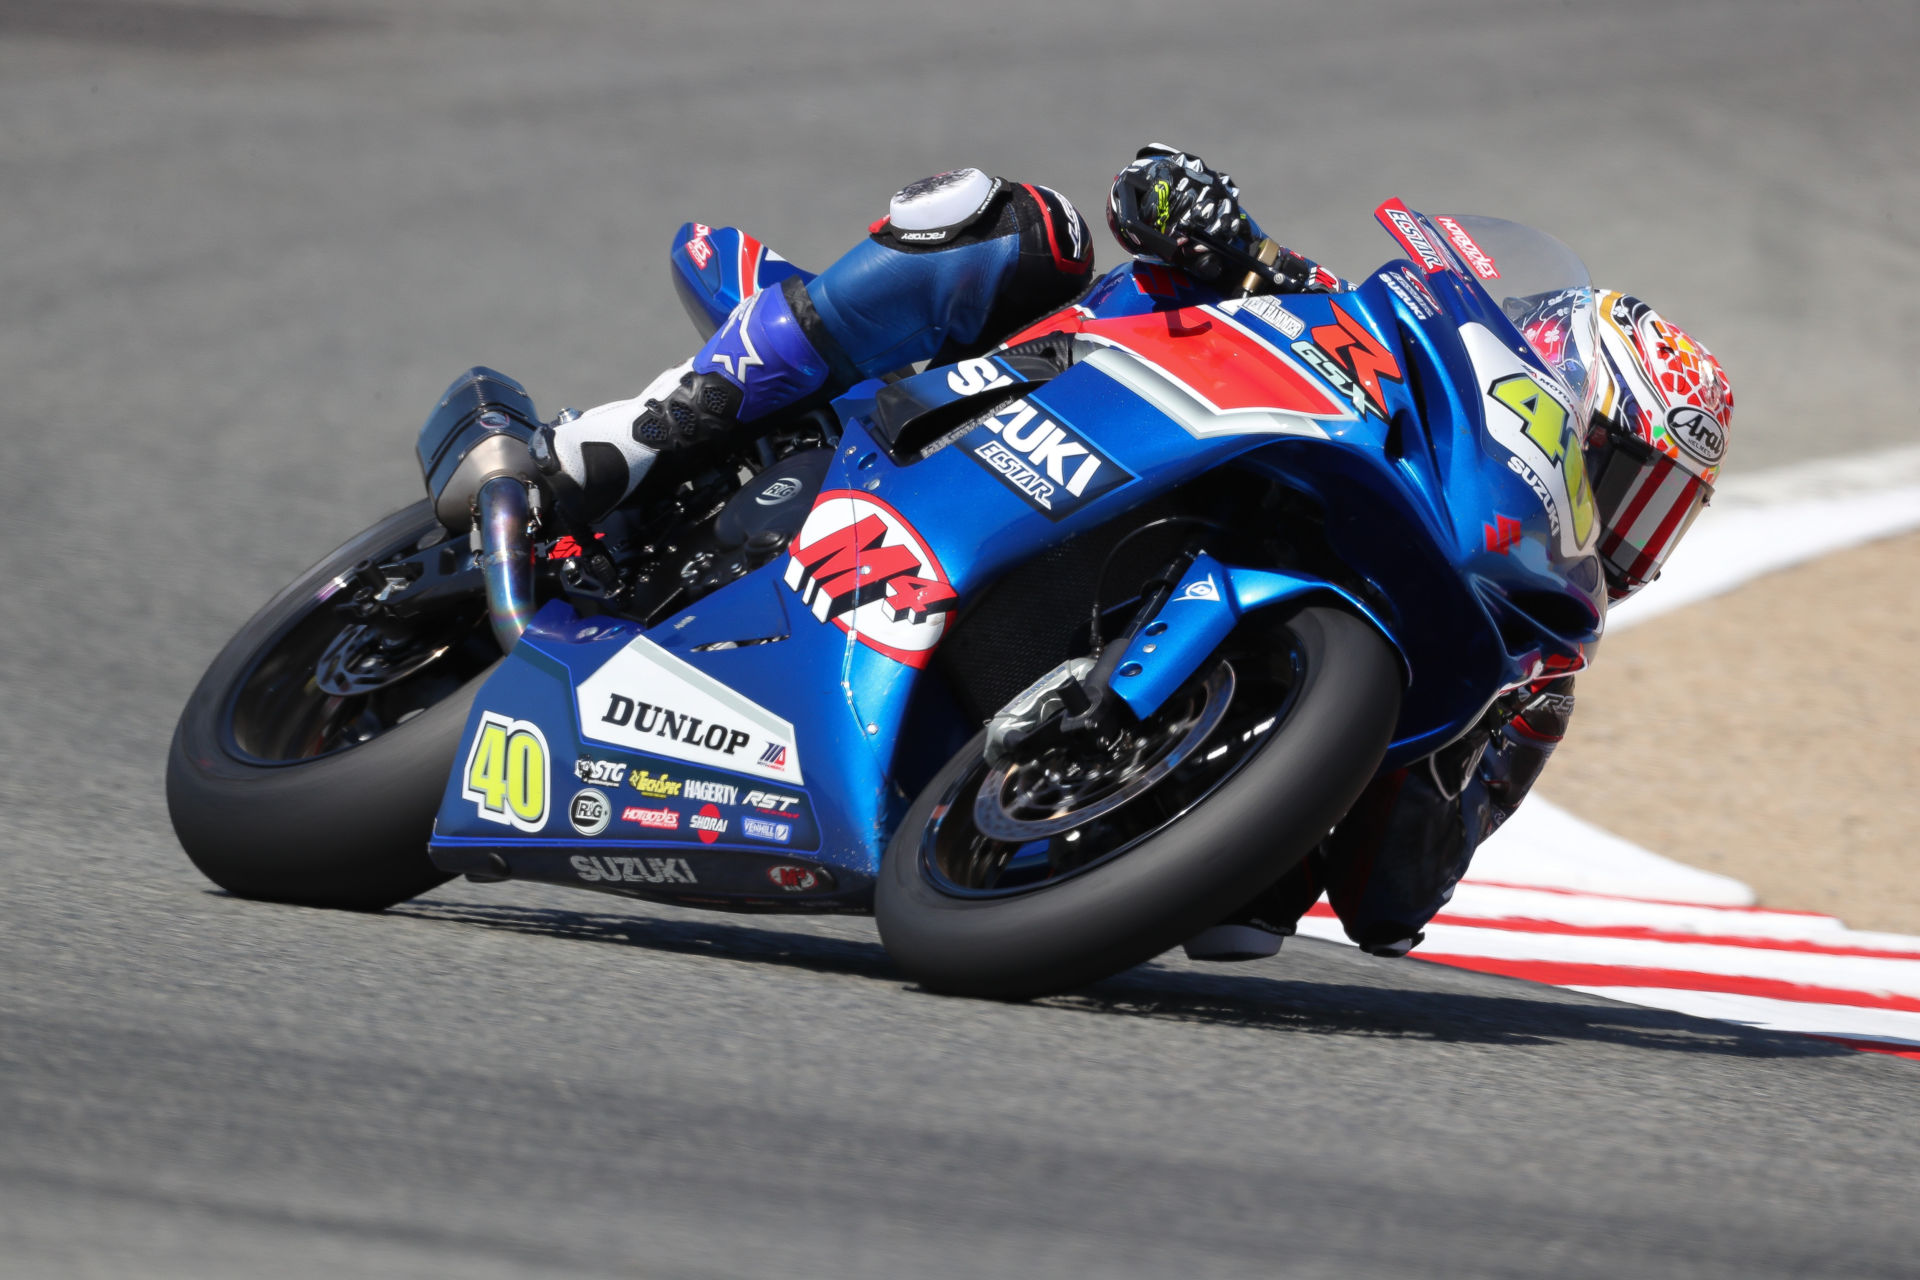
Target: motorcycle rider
{"points": [[963, 261]]}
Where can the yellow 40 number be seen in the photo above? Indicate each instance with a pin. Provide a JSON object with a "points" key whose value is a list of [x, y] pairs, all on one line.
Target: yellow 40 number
{"points": [[506, 776], [1546, 425]]}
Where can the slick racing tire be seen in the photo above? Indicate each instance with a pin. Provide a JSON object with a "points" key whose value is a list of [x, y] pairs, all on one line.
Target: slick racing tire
{"points": [[282, 792], [1231, 783]]}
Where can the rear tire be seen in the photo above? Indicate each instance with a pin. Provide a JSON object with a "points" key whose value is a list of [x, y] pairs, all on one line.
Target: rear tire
{"points": [[347, 829], [1151, 895]]}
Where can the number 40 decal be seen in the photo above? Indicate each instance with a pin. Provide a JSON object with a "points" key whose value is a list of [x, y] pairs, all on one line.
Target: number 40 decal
{"points": [[506, 774], [1546, 426]]}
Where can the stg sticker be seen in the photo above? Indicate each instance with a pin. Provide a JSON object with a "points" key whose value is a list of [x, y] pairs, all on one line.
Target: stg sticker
{"points": [[645, 699], [858, 564], [1055, 469]]}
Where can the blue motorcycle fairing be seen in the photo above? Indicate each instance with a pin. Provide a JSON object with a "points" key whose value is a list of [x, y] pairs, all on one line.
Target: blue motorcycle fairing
{"points": [[1395, 464], [715, 267]]}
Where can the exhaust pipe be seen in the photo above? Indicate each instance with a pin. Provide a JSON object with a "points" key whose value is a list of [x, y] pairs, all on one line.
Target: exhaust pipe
{"points": [[502, 516]]}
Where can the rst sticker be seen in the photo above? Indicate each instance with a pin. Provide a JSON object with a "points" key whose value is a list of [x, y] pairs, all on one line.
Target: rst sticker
{"points": [[858, 564], [1053, 468], [507, 777]]}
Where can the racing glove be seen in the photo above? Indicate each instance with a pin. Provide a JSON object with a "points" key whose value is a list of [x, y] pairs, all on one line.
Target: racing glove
{"points": [[1169, 205]]}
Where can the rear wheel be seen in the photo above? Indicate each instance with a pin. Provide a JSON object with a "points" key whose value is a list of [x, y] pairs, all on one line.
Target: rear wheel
{"points": [[309, 763], [1083, 855]]}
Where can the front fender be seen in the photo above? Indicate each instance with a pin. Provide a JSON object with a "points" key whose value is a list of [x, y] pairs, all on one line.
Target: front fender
{"points": [[1206, 606]]}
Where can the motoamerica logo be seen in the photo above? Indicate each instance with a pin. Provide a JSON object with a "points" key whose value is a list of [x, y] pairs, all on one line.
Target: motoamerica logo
{"points": [[1055, 469]]}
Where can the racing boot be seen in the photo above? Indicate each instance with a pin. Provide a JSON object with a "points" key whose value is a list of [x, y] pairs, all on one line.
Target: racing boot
{"points": [[1256, 930], [771, 353]]}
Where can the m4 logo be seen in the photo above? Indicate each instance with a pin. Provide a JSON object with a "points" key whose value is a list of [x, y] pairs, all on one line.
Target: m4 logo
{"points": [[859, 565]]}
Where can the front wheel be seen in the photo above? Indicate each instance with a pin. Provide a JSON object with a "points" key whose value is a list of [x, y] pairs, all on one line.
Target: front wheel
{"points": [[308, 764], [1082, 856]]}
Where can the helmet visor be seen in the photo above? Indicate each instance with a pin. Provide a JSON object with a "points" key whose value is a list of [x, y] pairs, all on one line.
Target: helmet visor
{"points": [[1646, 503]]}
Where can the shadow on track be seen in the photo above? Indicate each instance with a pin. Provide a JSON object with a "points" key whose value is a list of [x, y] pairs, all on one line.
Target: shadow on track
{"points": [[1308, 1004]]}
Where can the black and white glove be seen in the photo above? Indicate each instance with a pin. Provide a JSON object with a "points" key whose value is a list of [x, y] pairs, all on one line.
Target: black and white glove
{"points": [[1167, 204]]}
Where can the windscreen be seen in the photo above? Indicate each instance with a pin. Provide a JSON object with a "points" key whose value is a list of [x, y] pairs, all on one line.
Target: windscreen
{"points": [[1540, 285]]}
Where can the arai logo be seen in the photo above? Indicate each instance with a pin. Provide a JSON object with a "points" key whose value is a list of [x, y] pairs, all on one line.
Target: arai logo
{"points": [[1696, 431]]}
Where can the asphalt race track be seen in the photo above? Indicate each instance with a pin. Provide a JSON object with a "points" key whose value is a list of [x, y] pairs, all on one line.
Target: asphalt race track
{"points": [[241, 250]]}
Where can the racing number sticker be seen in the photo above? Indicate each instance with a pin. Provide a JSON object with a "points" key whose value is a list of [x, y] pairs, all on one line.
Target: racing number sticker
{"points": [[1545, 422], [506, 775]]}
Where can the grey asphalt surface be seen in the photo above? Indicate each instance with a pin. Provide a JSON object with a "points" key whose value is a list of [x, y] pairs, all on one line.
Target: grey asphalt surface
{"points": [[241, 250]]}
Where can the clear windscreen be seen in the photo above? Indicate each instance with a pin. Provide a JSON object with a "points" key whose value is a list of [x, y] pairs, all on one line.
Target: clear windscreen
{"points": [[1540, 285]]}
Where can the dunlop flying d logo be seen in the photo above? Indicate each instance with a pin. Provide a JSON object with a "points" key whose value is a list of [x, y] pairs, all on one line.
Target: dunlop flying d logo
{"points": [[1053, 468]]}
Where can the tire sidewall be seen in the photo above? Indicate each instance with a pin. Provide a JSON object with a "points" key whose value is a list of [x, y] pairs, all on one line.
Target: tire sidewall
{"points": [[347, 830], [1241, 837]]}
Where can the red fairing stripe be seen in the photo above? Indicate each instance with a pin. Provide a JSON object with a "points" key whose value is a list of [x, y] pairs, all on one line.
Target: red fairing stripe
{"points": [[1217, 360], [749, 266]]}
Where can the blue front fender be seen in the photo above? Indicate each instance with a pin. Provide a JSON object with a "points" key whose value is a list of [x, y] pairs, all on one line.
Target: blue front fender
{"points": [[1206, 606]]}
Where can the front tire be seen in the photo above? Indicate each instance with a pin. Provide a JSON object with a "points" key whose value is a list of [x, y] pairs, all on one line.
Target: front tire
{"points": [[1193, 859], [281, 792]]}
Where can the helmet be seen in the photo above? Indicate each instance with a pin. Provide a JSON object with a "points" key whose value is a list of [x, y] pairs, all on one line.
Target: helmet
{"points": [[1661, 408]]}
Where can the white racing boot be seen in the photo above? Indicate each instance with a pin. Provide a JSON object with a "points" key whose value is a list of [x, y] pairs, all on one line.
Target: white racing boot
{"points": [[600, 450]]}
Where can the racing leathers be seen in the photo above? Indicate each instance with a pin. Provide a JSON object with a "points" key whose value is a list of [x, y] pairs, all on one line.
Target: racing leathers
{"points": [[961, 262]]}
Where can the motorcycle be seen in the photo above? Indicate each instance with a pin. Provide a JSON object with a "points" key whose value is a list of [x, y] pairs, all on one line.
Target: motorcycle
{"points": [[1048, 656]]}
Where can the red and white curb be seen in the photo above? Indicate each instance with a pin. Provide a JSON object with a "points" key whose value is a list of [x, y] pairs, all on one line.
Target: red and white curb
{"points": [[1556, 900], [1778, 970]]}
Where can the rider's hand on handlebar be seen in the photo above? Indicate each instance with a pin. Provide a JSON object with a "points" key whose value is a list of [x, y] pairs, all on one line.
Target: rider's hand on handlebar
{"points": [[1169, 204]]}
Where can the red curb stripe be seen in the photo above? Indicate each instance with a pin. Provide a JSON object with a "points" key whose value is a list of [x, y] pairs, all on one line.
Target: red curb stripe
{"points": [[1641, 933], [1566, 974], [1892, 1050], [1661, 902]]}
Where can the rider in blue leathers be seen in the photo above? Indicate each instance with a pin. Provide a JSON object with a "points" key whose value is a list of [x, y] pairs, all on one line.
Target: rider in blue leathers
{"points": [[962, 261]]}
